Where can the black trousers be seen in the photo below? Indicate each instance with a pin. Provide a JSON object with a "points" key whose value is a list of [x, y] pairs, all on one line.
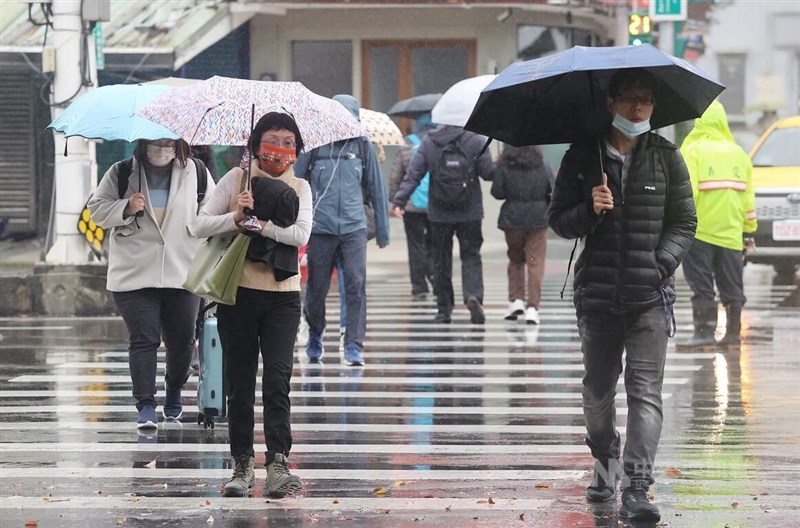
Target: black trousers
{"points": [[705, 264], [418, 239], [470, 240], [264, 322]]}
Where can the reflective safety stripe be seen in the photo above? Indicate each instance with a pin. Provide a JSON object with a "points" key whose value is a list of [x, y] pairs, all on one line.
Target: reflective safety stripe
{"points": [[751, 215], [713, 185]]}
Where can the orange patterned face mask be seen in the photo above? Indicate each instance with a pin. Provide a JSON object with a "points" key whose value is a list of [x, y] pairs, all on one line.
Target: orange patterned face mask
{"points": [[276, 159]]}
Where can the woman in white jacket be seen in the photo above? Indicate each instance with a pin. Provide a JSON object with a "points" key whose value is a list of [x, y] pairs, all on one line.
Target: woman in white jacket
{"points": [[266, 315], [151, 246]]}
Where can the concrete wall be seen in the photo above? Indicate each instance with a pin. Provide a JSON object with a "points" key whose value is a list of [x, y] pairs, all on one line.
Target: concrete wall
{"points": [[767, 31], [272, 35]]}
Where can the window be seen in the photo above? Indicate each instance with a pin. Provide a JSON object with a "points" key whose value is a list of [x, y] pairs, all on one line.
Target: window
{"points": [[324, 67]]}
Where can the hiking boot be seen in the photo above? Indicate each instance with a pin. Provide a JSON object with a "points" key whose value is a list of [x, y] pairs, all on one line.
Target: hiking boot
{"points": [[147, 418], [531, 316], [635, 504], [604, 482], [314, 348], [279, 481], [442, 317], [173, 404], [353, 357], [515, 309], [243, 479], [476, 315]]}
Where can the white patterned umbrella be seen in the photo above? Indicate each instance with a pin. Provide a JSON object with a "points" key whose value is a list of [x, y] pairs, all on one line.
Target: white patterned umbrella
{"points": [[380, 128], [217, 111]]}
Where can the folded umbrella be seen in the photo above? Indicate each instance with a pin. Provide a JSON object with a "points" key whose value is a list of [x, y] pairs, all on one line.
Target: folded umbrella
{"points": [[561, 98], [217, 111], [414, 106], [455, 106]]}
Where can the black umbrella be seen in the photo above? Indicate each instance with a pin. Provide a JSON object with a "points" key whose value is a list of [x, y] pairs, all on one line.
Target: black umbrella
{"points": [[561, 98], [414, 106]]}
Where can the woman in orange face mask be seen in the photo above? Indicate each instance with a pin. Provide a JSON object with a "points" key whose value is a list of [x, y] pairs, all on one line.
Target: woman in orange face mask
{"points": [[266, 315]]}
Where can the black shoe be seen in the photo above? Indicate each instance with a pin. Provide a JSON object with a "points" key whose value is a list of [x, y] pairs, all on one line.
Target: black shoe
{"points": [[442, 317], [422, 296], [604, 482], [476, 315], [635, 504]]}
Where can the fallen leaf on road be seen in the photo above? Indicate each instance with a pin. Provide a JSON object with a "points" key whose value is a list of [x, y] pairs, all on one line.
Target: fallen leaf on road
{"points": [[428, 496], [399, 482], [543, 485], [31, 524], [207, 502], [418, 519], [447, 508], [734, 504], [120, 522], [151, 465], [335, 501], [491, 500], [210, 520], [522, 516], [379, 491], [672, 472], [387, 511], [482, 501]]}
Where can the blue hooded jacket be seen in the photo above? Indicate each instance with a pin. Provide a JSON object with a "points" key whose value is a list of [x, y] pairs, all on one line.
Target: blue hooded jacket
{"points": [[336, 184]]}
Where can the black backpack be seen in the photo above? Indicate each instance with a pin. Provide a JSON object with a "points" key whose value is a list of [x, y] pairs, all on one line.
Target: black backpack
{"points": [[126, 167], [453, 178]]}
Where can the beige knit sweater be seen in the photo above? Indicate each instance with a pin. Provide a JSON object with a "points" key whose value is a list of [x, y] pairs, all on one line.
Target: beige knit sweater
{"points": [[217, 217]]}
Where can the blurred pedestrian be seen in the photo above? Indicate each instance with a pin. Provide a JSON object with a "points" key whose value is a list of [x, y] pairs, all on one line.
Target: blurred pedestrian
{"points": [[524, 180], [721, 174], [266, 315], [345, 180], [415, 219], [206, 154], [453, 157], [147, 202], [624, 284]]}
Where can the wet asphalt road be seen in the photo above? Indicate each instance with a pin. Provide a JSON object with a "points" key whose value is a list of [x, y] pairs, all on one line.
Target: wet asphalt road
{"points": [[448, 425]]}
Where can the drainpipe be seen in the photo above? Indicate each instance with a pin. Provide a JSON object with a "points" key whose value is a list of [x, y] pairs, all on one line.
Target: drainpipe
{"points": [[75, 68]]}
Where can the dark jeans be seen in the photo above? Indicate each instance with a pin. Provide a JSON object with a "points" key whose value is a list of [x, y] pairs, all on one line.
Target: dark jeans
{"points": [[643, 337], [323, 253], [150, 314], [706, 263], [418, 240], [265, 322], [470, 240]]}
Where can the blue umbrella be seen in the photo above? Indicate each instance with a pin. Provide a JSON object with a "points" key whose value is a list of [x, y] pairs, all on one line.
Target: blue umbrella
{"points": [[561, 98], [109, 113]]}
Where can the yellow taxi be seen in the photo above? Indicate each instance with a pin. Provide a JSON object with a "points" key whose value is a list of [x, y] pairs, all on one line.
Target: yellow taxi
{"points": [[776, 178]]}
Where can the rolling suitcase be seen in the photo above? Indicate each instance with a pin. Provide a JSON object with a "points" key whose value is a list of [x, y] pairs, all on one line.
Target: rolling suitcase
{"points": [[211, 385]]}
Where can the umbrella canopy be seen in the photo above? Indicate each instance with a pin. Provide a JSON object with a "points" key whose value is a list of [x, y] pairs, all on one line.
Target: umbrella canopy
{"points": [[380, 128], [217, 111], [173, 82], [455, 106], [561, 98], [109, 113], [414, 106]]}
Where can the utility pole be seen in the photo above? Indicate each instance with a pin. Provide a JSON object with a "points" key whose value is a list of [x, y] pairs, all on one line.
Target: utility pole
{"points": [[73, 174], [666, 13]]}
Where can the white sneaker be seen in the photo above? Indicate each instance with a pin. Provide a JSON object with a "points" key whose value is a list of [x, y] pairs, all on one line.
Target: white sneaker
{"points": [[515, 309], [531, 315]]}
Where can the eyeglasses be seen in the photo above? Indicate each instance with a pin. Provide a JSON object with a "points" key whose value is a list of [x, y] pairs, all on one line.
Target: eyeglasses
{"points": [[644, 100], [286, 143]]}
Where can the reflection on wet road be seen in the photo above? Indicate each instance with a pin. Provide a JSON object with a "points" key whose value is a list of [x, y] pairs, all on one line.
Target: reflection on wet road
{"points": [[450, 425]]}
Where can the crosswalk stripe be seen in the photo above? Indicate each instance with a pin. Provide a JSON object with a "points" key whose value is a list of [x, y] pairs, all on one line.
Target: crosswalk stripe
{"points": [[327, 474]]}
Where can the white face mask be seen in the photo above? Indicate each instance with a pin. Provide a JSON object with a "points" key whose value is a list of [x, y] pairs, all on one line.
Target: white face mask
{"points": [[160, 156], [629, 128]]}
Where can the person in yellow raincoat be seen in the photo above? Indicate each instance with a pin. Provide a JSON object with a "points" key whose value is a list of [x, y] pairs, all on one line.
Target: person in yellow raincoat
{"points": [[721, 175]]}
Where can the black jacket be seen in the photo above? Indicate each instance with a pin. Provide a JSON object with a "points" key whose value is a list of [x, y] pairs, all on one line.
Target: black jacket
{"points": [[630, 253], [275, 201], [526, 192], [427, 157]]}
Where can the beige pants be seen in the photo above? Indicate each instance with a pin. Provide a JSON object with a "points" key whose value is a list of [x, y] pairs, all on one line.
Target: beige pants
{"points": [[526, 251]]}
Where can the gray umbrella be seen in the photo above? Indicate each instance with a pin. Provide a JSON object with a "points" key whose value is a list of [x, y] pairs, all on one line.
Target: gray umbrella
{"points": [[414, 106]]}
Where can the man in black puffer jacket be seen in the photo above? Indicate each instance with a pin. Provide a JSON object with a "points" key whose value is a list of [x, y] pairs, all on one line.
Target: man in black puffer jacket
{"points": [[638, 220]]}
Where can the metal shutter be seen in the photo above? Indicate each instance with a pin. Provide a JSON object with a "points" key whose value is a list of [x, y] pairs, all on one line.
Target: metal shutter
{"points": [[18, 189]]}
